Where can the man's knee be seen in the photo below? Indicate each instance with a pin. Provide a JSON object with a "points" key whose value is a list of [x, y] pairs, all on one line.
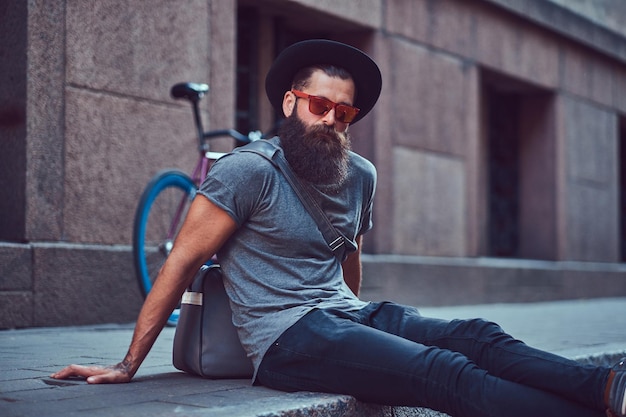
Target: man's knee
{"points": [[479, 328]]}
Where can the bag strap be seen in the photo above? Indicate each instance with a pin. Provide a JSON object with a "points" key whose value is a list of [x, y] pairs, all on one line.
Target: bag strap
{"points": [[335, 240]]}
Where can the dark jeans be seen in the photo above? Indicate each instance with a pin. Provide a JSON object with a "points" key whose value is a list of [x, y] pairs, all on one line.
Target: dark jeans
{"points": [[390, 354]]}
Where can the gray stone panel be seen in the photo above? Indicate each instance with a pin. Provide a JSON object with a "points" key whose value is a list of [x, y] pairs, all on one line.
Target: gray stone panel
{"points": [[222, 63], [16, 309], [436, 281], [408, 18], [450, 25], [16, 285], [591, 142], [592, 224], [16, 267], [591, 183], [137, 49], [114, 146], [45, 108], [380, 239], [431, 91], [82, 285], [590, 75], [429, 204], [421, 284], [507, 44]]}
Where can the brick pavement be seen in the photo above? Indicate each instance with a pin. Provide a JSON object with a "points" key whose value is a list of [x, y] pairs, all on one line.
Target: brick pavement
{"points": [[586, 329]]}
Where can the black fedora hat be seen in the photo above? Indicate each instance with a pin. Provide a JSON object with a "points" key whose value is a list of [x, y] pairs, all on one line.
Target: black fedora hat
{"points": [[363, 69]]}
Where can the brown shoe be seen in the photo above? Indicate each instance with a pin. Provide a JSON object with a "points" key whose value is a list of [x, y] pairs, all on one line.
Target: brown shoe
{"points": [[615, 392]]}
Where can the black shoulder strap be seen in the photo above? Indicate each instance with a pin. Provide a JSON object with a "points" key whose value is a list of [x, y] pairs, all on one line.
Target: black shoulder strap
{"points": [[334, 239]]}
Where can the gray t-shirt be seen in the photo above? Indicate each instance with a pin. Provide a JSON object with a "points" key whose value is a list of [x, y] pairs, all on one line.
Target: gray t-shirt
{"points": [[277, 265]]}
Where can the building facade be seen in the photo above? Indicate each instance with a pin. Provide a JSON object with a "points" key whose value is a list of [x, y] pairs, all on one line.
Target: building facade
{"points": [[499, 137]]}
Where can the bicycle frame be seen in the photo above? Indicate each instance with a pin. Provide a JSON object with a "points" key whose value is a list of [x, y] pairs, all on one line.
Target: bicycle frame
{"points": [[198, 174], [168, 183], [193, 93]]}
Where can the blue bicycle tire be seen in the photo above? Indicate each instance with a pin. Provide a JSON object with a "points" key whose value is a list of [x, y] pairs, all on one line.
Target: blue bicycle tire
{"points": [[153, 217]]}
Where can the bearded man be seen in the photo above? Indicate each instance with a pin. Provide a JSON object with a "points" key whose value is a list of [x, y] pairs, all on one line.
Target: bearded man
{"points": [[296, 306]]}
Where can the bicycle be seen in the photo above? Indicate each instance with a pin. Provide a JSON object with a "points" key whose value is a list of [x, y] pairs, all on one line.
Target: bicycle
{"points": [[167, 196]]}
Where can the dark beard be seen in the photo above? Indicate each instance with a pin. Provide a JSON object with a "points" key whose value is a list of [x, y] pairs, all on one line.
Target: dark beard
{"points": [[318, 154]]}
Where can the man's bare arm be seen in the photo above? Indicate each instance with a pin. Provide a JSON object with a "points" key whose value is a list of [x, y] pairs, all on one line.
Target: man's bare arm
{"points": [[352, 269], [205, 229]]}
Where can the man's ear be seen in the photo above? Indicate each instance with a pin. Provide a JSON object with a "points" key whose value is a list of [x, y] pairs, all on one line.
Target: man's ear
{"points": [[289, 102]]}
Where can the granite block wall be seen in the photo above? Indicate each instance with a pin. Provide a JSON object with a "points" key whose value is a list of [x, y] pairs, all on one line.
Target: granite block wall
{"points": [[440, 72], [98, 123], [90, 85], [66, 284]]}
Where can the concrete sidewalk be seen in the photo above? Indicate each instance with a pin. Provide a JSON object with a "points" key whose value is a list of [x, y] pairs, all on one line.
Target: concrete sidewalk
{"points": [[589, 330]]}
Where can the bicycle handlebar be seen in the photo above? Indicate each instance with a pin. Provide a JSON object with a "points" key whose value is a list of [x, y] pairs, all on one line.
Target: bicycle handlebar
{"points": [[193, 92], [239, 137]]}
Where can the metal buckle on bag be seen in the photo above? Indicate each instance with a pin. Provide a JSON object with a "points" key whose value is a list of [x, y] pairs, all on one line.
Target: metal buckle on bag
{"points": [[194, 298], [336, 244]]}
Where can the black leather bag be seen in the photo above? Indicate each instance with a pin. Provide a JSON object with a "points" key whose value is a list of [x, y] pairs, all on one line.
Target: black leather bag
{"points": [[206, 341]]}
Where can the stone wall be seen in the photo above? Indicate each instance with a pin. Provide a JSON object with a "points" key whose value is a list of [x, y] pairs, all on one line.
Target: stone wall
{"points": [[431, 121], [87, 120]]}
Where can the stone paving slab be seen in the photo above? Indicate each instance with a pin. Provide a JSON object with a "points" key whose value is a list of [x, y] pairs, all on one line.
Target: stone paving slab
{"points": [[590, 330]]}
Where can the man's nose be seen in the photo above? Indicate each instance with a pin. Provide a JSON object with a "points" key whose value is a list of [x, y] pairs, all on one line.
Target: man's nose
{"points": [[329, 118]]}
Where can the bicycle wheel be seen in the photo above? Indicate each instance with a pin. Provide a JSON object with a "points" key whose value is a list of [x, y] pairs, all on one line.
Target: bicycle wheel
{"points": [[159, 216]]}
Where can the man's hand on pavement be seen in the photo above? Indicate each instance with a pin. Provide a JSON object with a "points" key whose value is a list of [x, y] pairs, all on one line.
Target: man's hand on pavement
{"points": [[95, 374]]}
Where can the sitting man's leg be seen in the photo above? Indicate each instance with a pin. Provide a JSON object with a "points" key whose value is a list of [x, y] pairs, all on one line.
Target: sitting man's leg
{"points": [[332, 351], [493, 350]]}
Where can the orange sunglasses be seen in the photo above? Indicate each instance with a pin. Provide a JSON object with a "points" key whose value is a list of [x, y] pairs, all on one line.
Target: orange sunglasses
{"points": [[319, 106]]}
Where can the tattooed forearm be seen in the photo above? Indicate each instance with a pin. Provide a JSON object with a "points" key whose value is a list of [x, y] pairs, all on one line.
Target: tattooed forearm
{"points": [[126, 365]]}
